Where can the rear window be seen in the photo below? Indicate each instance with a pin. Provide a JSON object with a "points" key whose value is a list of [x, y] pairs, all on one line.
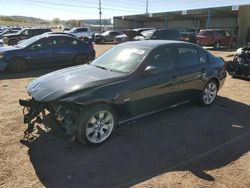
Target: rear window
{"points": [[171, 35], [205, 33], [220, 33], [83, 30]]}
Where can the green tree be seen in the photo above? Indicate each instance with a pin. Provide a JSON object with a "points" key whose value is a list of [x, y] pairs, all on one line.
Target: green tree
{"points": [[56, 21]]}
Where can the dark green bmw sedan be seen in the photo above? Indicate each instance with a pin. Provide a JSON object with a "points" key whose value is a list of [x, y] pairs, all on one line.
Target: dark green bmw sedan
{"points": [[129, 81]]}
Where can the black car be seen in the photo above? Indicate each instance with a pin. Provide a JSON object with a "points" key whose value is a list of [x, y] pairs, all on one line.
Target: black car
{"points": [[7, 31], [129, 81], [107, 36], [12, 39], [129, 35], [159, 34], [188, 34], [47, 50]]}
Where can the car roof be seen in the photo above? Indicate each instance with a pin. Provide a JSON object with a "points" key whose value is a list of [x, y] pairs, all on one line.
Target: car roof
{"points": [[49, 34], [213, 30], [151, 44]]}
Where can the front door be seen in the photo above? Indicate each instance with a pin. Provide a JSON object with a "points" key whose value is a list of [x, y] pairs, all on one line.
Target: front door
{"points": [[148, 93]]}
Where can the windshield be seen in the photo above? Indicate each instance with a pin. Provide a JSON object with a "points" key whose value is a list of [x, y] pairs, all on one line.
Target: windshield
{"points": [[19, 32], [28, 42], [72, 30], [123, 59], [148, 33], [105, 33]]}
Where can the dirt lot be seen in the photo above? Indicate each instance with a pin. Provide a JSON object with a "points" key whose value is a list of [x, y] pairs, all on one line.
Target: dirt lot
{"points": [[189, 146]]}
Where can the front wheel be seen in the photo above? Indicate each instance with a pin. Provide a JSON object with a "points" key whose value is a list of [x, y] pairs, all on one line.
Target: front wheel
{"points": [[209, 93], [81, 59], [12, 42], [96, 124], [18, 65]]}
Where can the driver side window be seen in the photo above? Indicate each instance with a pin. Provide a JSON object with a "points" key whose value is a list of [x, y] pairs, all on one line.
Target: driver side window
{"points": [[38, 45], [26, 32]]}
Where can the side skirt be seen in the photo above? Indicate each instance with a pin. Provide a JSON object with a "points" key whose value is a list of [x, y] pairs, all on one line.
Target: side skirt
{"points": [[152, 112]]}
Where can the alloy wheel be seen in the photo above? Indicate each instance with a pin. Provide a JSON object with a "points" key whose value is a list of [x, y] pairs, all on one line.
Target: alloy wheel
{"points": [[210, 93], [100, 126]]}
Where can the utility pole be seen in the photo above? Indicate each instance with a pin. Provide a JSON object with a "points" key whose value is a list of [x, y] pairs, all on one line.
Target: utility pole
{"points": [[147, 7], [100, 14]]}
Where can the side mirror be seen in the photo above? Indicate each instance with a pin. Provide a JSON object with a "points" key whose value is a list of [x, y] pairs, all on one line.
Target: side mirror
{"points": [[150, 71]]}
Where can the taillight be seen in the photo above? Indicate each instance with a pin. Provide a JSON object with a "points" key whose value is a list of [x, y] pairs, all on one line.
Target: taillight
{"points": [[91, 45]]}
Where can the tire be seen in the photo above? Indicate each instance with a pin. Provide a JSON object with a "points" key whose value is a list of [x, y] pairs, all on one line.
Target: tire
{"points": [[12, 42], [217, 45], [18, 64], [102, 41], [209, 93], [96, 124], [233, 45], [81, 59]]}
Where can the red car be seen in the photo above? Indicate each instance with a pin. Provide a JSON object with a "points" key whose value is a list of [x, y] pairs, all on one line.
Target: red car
{"points": [[215, 38]]}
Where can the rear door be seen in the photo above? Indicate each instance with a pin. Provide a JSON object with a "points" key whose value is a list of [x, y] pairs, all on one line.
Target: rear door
{"points": [[60, 49], [192, 67]]}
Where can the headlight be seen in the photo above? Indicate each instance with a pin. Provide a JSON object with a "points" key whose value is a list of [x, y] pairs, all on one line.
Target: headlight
{"points": [[5, 39], [1, 56]]}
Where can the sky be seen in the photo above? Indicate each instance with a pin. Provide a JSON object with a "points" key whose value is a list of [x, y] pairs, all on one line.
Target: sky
{"points": [[88, 9]]}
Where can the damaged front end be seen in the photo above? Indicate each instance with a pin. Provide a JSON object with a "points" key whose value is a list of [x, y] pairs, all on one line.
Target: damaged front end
{"points": [[65, 114]]}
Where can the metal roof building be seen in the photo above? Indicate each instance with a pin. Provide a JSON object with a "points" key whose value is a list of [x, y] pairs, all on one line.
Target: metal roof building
{"points": [[228, 16]]}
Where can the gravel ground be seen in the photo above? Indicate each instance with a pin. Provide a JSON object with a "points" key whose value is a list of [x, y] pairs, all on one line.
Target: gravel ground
{"points": [[189, 146]]}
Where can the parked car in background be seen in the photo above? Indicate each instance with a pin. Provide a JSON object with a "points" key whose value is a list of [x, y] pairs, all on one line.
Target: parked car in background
{"points": [[129, 81], [47, 50], [107, 36], [7, 31], [215, 38], [12, 39], [159, 34], [129, 34], [188, 34], [81, 32]]}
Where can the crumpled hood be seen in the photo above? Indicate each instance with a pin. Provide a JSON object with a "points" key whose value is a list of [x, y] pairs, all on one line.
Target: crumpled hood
{"points": [[65, 81]]}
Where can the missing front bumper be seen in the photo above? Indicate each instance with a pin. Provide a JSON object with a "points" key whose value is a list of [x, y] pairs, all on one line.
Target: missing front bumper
{"points": [[32, 108]]}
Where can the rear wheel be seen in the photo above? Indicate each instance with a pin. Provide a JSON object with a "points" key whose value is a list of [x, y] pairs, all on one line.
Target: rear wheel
{"points": [[18, 65], [102, 41], [217, 45], [12, 42], [81, 59], [96, 124], [209, 93]]}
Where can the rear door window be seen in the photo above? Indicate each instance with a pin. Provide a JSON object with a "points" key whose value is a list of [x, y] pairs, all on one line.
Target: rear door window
{"points": [[187, 57], [164, 59], [71, 41]]}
